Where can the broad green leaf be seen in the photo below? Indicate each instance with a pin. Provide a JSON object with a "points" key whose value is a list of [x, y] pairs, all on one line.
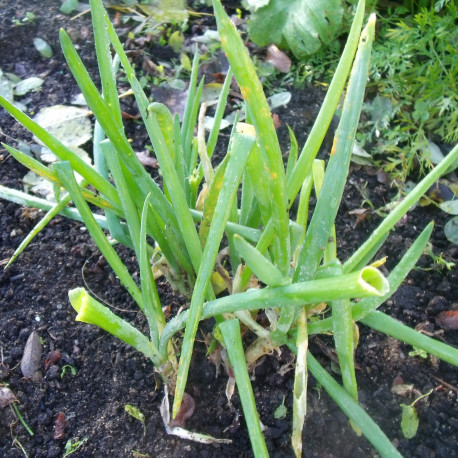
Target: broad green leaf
{"points": [[279, 100], [451, 230], [43, 47], [68, 6], [301, 25], [281, 411], [409, 421], [450, 207]]}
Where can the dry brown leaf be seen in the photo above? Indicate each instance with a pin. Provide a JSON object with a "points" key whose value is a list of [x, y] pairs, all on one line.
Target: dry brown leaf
{"points": [[147, 160], [278, 59], [186, 410]]}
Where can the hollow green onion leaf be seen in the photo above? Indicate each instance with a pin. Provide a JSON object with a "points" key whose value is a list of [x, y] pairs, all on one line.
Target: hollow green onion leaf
{"points": [[26, 200], [117, 136], [151, 301], [300, 384], [292, 156], [187, 126], [259, 264], [388, 325], [324, 118], [401, 209], [65, 174], [352, 409], [38, 227], [239, 149], [367, 282], [253, 94], [92, 311], [330, 195], [211, 201], [219, 112], [62, 152], [396, 277], [233, 340], [104, 61]]}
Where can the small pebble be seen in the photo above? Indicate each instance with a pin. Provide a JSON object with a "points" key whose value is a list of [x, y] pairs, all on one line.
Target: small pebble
{"points": [[6, 396], [53, 451], [31, 358]]}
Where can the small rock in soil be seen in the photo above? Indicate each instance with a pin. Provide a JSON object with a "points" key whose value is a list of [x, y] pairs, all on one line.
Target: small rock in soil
{"points": [[448, 319], [30, 363], [437, 304], [6, 396], [53, 452], [444, 286], [4, 370]]}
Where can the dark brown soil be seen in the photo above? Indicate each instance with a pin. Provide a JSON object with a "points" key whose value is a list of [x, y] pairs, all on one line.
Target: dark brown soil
{"points": [[109, 375]]}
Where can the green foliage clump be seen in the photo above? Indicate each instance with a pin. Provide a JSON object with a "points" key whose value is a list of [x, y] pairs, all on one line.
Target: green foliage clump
{"points": [[415, 73]]}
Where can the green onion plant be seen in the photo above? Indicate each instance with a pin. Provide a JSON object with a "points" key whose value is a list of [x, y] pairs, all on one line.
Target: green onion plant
{"points": [[178, 229]]}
